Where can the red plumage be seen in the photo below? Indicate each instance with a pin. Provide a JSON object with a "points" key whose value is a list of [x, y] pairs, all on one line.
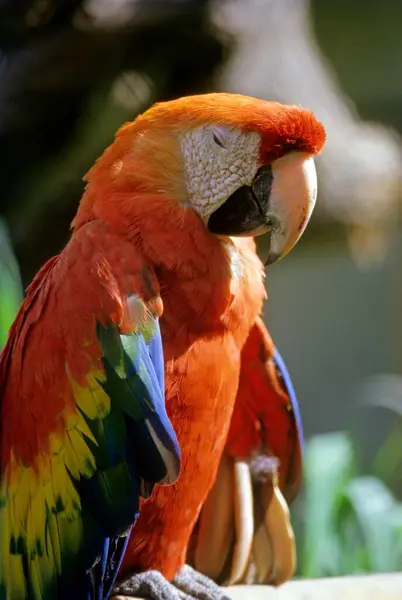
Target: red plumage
{"points": [[135, 211], [263, 419]]}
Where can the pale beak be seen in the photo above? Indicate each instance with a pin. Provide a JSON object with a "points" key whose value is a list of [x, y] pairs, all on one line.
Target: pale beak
{"points": [[280, 201], [292, 201]]}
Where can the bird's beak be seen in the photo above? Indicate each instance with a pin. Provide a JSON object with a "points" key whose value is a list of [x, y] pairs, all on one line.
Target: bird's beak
{"points": [[280, 200]]}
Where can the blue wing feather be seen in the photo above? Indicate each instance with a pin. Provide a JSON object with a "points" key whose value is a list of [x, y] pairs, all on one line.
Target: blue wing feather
{"points": [[139, 429], [112, 563], [281, 366], [156, 355]]}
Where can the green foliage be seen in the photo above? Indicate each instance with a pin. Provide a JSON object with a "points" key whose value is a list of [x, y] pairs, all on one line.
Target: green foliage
{"points": [[347, 524], [11, 292]]}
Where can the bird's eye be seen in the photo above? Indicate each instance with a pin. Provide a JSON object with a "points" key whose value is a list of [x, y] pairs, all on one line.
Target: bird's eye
{"points": [[217, 141]]}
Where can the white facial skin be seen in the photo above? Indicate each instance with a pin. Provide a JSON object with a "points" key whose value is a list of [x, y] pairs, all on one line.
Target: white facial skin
{"points": [[218, 161]]}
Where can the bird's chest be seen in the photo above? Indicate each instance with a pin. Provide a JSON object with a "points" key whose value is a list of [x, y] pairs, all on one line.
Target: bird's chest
{"points": [[202, 370], [203, 310], [201, 388]]}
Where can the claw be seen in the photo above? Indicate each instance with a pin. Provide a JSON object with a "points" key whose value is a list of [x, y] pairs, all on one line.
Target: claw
{"points": [[244, 527], [274, 551], [263, 557], [244, 522], [216, 531], [280, 533]]}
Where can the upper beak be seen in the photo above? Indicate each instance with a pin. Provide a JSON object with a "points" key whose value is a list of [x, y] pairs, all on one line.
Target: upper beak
{"points": [[280, 200]]}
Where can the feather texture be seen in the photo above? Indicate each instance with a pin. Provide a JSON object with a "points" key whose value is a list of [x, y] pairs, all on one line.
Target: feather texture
{"points": [[83, 423], [83, 427], [266, 417]]}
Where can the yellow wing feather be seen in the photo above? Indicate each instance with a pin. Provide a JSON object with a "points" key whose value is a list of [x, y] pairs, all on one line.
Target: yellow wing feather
{"points": [[34, 513]]}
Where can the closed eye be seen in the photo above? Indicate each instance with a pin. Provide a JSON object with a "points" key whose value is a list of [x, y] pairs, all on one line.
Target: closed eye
{"points": [[217, 141]]}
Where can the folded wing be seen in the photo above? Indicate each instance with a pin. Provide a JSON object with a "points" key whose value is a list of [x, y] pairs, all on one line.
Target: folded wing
{"points": [[84, 431]]}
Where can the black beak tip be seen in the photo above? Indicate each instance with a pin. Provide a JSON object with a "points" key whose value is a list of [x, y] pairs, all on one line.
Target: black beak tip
{"points": [[272, 257]]}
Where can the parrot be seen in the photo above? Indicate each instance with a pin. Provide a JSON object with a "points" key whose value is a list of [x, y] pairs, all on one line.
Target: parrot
{"points": [[234, 191], [119, 376]]}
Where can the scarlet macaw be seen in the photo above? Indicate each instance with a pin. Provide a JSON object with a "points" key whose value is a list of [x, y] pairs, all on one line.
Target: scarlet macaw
{"points": [[161, 237]]}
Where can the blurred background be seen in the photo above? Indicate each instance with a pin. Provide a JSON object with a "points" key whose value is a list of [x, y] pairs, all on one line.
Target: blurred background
{"points": [[72, 71]]}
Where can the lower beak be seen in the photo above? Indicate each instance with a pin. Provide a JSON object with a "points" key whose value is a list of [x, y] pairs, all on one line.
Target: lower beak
{"points": [[280, 200]]}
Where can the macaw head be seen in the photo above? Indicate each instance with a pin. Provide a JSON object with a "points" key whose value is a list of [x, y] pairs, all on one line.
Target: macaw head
{"points": [[244, 165]]}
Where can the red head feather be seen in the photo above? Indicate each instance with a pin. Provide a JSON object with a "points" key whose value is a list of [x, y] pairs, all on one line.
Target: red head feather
{"points": [[283, 127]]}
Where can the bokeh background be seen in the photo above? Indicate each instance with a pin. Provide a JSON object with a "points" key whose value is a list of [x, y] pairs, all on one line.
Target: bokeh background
{"points": [[72, 71]]}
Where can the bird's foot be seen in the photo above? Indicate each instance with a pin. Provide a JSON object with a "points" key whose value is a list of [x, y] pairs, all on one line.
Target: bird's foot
{"points": [[151, 585], [198, 586], [187, 585]]}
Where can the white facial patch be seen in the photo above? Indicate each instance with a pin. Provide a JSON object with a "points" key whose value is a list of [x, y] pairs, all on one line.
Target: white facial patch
{"points": [[218, 161]]}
